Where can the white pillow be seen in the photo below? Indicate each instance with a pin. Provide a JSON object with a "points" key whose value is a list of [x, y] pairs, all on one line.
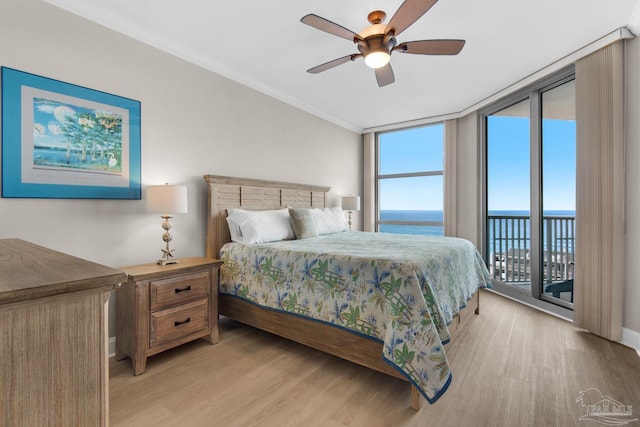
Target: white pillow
{"points": [[234, 222], [235, 219], [232, 211], [250, 227], [329, 220]]}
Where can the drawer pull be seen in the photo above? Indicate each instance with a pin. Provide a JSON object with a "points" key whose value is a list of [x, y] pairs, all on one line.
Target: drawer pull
{"points": [[178, 290], [176, 324]]}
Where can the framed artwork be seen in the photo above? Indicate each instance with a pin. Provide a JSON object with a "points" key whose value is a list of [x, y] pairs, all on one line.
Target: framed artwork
{"points": [[60, 140]]}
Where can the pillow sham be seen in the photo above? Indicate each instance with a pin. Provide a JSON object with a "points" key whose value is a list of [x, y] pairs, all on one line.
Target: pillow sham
{"points": [[303, 224], [249, 227], [329, 220], [234, 221]]}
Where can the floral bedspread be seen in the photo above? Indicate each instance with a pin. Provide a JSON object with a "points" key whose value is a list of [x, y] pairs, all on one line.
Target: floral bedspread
{"points": [[402, 290]]}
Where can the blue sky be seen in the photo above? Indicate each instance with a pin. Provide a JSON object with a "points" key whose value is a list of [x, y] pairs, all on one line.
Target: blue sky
{"points": [[406, 151], [509, 170], [49, 117]]}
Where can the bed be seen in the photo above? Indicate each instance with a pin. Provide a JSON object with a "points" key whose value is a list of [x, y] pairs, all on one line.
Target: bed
{"points": [[404, 339]]}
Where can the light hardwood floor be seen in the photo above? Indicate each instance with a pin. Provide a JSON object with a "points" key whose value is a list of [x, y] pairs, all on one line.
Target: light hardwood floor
{"points": [[512, 366]]}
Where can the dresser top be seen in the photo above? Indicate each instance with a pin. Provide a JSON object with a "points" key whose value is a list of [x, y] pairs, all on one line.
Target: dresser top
{"points": [[29, 271]]}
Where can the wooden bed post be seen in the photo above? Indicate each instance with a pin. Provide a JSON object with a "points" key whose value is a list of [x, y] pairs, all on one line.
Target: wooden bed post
{"points": [[416, 402]]}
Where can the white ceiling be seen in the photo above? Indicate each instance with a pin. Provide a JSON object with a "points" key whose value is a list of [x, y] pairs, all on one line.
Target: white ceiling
{"points": [[263, 44]]}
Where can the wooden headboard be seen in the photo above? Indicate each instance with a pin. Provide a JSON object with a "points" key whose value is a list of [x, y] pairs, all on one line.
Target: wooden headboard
{"points": [[226, 192]]}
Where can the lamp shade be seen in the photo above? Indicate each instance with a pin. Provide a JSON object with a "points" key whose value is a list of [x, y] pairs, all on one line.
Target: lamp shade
{"points": [[167, 199], [350, 203], [377, 59]]}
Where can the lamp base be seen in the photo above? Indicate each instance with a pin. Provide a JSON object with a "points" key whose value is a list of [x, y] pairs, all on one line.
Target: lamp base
{"points": [[165, 261]]}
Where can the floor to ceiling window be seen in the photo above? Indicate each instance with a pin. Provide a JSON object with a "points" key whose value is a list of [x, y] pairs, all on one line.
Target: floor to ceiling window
{"points": [[409, 180], [508, 171], [530, 177]]}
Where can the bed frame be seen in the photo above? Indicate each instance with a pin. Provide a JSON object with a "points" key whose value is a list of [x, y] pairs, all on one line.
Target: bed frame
{"points": [[226, 192]]}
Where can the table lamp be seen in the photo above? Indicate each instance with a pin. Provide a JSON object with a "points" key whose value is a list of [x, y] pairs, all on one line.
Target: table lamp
{"points": [[350, 204], [167, 200]]}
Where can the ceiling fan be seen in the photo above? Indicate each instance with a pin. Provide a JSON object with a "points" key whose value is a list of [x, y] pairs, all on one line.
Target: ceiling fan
{"points": [[378, 41]]}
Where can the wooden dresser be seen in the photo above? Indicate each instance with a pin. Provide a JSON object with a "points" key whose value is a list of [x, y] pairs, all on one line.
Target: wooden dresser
{"points": [[53, 337], [162, 306]]}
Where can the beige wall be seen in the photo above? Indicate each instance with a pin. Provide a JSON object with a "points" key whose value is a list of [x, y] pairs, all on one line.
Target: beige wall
{"points": [[194, 122]]}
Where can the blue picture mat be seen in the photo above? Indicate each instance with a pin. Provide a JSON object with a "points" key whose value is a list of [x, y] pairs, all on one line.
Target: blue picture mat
{"points": [[13, 83]]}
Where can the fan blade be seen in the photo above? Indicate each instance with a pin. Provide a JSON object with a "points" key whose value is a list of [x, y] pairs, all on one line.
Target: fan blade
{"points": [[330, 27], [431, 47], [384, 75], [328, 65], [408, 13]]}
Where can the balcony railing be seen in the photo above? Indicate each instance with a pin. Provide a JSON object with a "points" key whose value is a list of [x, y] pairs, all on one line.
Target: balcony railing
{"points": [[510, 246]]}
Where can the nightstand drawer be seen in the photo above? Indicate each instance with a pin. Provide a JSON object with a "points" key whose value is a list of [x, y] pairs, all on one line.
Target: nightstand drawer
{"points": [[174, 323], [176, 290]]}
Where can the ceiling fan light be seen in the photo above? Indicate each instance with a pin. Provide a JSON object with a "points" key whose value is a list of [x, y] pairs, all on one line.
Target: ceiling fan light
{"points": [[377, 59]]}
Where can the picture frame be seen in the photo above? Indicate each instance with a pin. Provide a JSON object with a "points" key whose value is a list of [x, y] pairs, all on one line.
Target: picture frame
{"points": [[61, 140]]}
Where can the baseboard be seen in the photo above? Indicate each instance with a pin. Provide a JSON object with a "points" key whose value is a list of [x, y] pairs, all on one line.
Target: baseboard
{"points": [[112, 347], [631, 338]]}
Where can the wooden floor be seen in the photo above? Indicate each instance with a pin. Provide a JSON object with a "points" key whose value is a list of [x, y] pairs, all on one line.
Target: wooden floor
{"points": [[512, 366]]}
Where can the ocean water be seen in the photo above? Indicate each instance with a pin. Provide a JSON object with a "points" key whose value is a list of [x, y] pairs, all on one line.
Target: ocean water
{"points": [[506, 234], [398, 215]]}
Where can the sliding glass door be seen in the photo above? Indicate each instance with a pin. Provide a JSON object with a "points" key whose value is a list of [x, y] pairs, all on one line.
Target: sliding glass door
{"points": [[530, 169], [509, 195], [558, 192]]}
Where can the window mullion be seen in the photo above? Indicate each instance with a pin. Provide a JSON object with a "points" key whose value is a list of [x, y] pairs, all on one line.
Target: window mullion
{"points": [[411, 174]]}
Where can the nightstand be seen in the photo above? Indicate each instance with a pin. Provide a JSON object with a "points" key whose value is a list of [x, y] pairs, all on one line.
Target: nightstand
{"points": [[161, 307]]}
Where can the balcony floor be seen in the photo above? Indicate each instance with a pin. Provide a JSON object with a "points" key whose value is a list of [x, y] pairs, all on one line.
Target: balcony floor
{"points": [[525, 288]]}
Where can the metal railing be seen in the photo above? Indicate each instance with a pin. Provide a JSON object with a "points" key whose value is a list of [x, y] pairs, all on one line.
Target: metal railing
{"points": [[510, 245]]}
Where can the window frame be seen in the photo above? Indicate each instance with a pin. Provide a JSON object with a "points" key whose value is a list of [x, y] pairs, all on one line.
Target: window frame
{"points": [[378, 177], [533, 93]]}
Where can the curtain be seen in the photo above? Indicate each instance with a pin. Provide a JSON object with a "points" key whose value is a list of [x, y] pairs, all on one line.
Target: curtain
{"points": [[599, 252], [450, 178], [369, 170]]}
